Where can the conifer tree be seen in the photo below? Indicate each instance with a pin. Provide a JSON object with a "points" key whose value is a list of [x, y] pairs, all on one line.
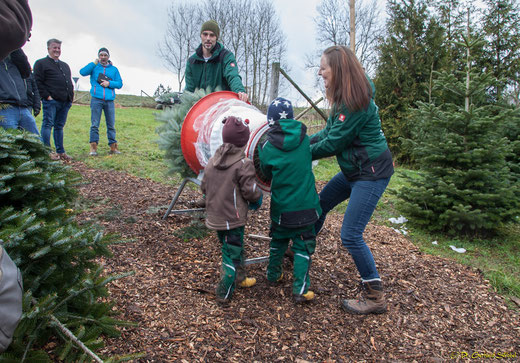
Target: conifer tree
{"points": [[450, 15], [502, 51], [464, 186], [169, 131], [63, 283], [413, 48]]}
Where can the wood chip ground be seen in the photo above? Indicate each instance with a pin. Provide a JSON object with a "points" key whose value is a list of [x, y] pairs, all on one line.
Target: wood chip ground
{"points": [[438, 310]]}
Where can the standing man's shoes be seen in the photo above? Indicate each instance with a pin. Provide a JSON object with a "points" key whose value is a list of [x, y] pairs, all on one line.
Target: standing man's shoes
{"points": [[93, 149], [64, 157], [54, 156], [113, 149]]}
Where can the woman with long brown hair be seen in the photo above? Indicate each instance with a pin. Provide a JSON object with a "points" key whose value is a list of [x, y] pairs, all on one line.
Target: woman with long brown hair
{"points": [[353, 134]]}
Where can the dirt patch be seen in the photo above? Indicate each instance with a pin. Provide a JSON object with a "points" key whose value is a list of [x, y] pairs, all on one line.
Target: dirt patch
{"points": [[438, 310]]}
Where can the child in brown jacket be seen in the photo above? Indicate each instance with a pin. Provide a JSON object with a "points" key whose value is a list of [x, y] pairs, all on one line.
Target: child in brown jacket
{"points": [[230, 188]]}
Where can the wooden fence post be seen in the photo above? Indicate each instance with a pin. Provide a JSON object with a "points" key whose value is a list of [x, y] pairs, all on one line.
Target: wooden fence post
{"points": [[303, 94], [275, 80]]}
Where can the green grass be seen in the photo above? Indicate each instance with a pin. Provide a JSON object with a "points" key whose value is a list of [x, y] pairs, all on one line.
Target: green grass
{"points": [[329, 167], [83, 97], [498, 258], [135, 136]]}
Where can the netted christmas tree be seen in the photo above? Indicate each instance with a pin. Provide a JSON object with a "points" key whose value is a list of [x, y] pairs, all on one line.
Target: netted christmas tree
{"points": [[64, 286], [169, 131], [464, 186]]}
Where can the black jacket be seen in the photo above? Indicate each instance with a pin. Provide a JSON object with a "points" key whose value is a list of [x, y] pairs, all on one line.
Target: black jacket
{"points": [[33, 96], [54, 79], [12, 85]]}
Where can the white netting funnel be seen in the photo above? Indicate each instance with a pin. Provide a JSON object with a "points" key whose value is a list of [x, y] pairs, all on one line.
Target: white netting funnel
{"points": [[201, 133]]}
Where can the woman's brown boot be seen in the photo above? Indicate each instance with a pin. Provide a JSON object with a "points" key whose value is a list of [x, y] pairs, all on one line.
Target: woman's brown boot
{"points": [[372, 300]]}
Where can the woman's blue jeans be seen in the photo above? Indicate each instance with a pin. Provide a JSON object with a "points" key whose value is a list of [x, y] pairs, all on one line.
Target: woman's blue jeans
{"points": [[364, 195], [96, 106]]}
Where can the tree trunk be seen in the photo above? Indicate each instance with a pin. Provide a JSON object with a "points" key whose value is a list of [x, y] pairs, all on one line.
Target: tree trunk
{"points": [[353, 26]]}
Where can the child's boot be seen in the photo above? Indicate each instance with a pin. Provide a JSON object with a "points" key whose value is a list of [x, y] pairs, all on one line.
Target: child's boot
{"points": [[277, 282], [226, 285], [303, 298], [303, 250], [242, 280], [247, 282]]}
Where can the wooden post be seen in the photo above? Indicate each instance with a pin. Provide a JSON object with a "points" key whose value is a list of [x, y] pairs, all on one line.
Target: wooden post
{"points": [[308, 109], [353, 26], [303, 94], [275, 80]]}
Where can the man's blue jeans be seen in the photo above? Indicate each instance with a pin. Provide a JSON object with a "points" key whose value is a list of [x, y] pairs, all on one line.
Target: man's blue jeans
{"points": [[54, 118], [96, 106], [364, 196], [15, 117]]}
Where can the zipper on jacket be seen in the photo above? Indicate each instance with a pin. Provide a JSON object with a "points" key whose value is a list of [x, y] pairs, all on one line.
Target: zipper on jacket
{"points": [[104, 88], [206, 74], [235, 201]]}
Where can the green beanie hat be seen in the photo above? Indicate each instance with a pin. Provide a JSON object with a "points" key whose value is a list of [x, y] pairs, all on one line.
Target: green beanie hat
{"points": [[211, 25]]}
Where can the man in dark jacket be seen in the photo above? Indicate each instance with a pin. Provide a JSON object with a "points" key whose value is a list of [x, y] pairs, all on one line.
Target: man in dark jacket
{"points": [[212, 65], [14, 113], [56, 89]]}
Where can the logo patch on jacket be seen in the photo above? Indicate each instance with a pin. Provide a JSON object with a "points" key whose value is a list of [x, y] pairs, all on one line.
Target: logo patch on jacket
{"points": [[232, 64], [341, 117]]}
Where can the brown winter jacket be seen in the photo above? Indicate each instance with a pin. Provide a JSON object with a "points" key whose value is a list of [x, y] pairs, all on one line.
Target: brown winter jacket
{"points": [[229, 184]]}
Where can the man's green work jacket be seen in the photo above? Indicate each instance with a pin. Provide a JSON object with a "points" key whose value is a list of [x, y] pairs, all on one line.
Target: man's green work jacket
{"points": [[220, 71]]}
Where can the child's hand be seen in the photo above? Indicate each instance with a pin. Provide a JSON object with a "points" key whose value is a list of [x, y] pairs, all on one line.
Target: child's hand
{"points": [[257, 204]]}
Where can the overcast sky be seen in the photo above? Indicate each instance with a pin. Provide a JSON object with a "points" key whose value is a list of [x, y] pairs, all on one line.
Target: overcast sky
{"points": [[132, 30]]}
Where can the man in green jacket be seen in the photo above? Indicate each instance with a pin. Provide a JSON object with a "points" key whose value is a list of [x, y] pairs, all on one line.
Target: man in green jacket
{"points": [[212, 65]]}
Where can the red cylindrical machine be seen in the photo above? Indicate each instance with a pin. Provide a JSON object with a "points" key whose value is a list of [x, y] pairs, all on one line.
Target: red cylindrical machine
{"points": [[201, 133]]}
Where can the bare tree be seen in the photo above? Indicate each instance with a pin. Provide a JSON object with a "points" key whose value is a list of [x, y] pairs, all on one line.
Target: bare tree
{"points": [[369, 30], [333, 21], [264, 43], [250, 29], [181, 38]]}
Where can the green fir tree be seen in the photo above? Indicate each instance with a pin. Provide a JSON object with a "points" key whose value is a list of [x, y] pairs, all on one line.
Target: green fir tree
{"points": [[172, 119], [413, 48], [501, 56], [64, 285], [464, 186], [451, 16]]}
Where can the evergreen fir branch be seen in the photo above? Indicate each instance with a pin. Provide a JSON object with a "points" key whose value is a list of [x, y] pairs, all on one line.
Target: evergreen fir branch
{"points": [[169, 131], [76, 341], [57, 258]]}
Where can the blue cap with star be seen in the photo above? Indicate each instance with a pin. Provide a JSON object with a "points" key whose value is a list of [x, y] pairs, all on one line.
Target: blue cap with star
{"points": [[280, 108]]}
